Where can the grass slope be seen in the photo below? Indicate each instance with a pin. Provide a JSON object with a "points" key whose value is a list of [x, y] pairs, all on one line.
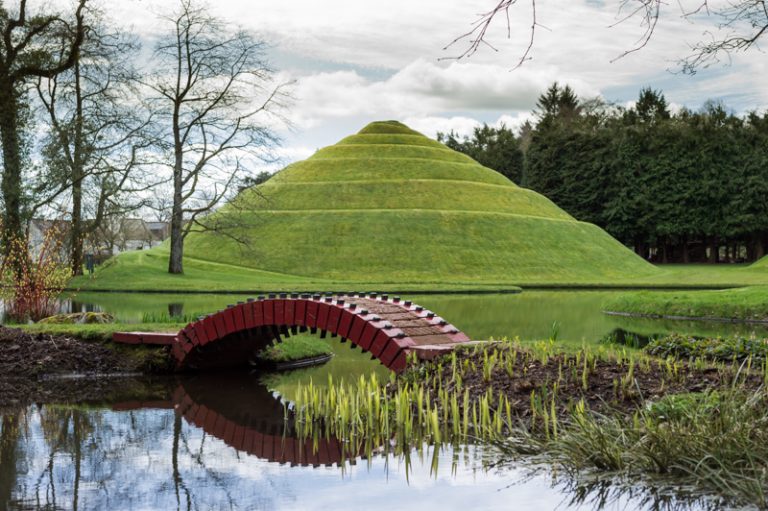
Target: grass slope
{"points": [[391, 207]]}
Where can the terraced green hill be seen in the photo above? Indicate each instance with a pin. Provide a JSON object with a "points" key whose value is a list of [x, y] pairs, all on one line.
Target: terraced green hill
{"points": [[391, 205]]}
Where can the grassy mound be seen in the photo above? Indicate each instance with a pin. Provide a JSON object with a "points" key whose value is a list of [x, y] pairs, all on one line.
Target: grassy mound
{"points": [[389, 205]]}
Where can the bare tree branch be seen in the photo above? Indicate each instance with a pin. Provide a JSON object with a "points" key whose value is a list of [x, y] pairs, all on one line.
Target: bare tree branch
{"points": [[740, 24]]}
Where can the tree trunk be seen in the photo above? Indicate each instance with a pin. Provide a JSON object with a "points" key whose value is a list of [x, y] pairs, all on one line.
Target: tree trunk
{"points": [[759, 250], [78, 175], [714, 248], [641, 249], [176, 261], [686, 254], [11, 145], [76, 231]]}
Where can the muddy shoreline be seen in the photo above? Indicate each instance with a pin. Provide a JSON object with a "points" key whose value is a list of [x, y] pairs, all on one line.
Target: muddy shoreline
{"points": [[38, 368]]}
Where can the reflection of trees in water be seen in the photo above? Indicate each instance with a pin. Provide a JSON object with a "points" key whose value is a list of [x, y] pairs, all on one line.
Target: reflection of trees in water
{"points": [[72, 457], [9, 435], [178, 482]]}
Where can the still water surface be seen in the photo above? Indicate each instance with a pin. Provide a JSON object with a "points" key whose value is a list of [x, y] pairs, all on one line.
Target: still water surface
{"points": [[136, 449], [220, 443], [529, 315]]}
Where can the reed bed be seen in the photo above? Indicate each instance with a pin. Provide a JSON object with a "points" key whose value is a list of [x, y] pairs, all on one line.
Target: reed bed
{"points": [[613, 412]]}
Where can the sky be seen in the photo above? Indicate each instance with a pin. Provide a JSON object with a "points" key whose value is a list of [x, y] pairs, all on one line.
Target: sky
{"points": [[353, 62]]}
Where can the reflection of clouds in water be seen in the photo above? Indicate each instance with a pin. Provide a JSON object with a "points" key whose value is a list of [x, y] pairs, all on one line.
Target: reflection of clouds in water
{"points": [[127, 463]]}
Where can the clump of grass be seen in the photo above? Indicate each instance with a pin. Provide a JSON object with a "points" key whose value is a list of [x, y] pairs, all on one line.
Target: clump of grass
{"points": [[714, 442], [630, 339], [164, 317], [295, 348]]}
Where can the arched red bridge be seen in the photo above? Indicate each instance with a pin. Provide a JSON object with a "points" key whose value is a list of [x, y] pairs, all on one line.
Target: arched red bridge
{"points": [[387, 327]]}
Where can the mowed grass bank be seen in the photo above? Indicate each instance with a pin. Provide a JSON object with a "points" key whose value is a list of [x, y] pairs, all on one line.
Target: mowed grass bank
{"points": [[748, 301], [146, 271], [742, 304]]}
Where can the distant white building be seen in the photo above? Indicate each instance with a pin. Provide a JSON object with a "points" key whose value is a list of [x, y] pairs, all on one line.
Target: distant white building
{"points": [[115, 236], [126, 234], [38, 228]]}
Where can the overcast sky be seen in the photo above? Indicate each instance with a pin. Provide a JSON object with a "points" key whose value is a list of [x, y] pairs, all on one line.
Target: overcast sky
{"points": [[359, 61]]}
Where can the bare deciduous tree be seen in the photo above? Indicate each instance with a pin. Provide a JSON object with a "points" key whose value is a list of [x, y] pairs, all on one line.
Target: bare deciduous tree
{"points": [[214, 93], [98, 136]]}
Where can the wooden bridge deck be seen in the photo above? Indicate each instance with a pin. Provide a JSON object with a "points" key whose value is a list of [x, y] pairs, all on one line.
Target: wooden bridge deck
{"points": [[388, 327]]}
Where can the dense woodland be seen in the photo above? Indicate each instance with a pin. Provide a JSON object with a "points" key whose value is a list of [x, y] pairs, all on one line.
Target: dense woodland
{"points": [[676, 187]]}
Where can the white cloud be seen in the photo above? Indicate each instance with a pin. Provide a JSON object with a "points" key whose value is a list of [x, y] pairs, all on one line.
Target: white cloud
{"points": [[421, 89], [359, 61], [432, 125], [463, 126]]}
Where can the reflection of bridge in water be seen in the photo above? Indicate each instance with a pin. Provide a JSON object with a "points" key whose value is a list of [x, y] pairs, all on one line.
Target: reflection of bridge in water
{"points": [[246, 416], [389, 328]]}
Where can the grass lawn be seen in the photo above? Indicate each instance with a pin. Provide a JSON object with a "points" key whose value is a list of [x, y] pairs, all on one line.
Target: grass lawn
{"points": [[748, 303], [147, 271], [715, 275], [296, 347]]}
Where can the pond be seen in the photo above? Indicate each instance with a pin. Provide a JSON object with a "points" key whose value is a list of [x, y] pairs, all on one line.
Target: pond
{"points": [[219, 442], [576, 316], [133, 448]]}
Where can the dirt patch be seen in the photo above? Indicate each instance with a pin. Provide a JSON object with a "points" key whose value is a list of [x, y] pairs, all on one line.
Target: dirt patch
{"points": [[33, 355], [31, 364], [610, 384]]}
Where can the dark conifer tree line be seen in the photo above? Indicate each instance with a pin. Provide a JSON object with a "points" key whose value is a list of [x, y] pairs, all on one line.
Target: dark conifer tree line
{"points": [[690, 186]]}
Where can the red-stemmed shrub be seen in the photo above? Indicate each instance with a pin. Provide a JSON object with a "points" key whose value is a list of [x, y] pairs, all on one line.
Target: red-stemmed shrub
{"points": [[32, 280]]}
